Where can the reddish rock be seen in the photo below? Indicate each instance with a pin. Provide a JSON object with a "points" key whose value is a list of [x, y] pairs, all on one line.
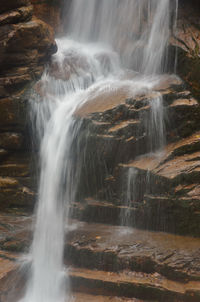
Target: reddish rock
{"points": [[11, 141], [26, 44], [7, 5], [187, 40], [20, 14], [12, 114], [49, 12]]}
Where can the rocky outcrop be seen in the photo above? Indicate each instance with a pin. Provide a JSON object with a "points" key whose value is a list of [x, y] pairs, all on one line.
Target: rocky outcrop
{"points": [[116, 128], [50, 12], [166, 194], [26, 43]]}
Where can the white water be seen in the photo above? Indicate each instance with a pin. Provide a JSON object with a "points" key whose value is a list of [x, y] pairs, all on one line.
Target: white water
{"points": [[138, 31], [156, 124], [131, 193]]}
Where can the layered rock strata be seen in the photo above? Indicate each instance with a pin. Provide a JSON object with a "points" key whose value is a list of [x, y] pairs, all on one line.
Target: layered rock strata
{"points": [[50, 12], [26, 44], [166, 196], [108, 263]]}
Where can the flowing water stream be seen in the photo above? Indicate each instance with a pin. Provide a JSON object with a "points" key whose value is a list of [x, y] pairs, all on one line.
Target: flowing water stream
{"points": [[128, 34]]}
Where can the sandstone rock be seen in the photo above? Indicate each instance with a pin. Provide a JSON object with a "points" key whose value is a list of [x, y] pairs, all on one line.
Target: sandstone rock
{"points": [[8, 182], [34, 34], [13, 4], [109, 260], [26, 44], [21, 14], [187, 41], [49, 12], [3, 153], [116, 121], [12, 113], [24, 47]]}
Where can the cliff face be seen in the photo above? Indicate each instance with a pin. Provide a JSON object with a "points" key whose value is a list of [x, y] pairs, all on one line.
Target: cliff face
{"points": [[26, 44]]}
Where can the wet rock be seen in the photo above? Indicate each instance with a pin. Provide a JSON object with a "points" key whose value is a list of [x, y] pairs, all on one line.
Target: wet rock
{"points": [[73, 63], [12, 113], [187, 40], [20, 14], [117, 120], [13, 4], [166, 190], [112, 248], [8, 268], [11, 141], [109, 260], [49, 12], [19, 187], [80, 297], [26, 44]]}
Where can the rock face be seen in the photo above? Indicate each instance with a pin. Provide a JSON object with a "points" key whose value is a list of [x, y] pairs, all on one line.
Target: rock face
{"points": [[108, 263], [187, 40], [49, 11], [26, 43], [166, 194]]}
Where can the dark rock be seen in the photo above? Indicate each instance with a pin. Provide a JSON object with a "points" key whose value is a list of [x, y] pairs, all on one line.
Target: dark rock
{"points": [[26, 44], [11, 141], [18, 15], [12, 4], [185, 43]]}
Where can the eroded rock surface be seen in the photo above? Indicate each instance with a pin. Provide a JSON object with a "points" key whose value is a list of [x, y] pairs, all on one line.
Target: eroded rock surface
{"points": [[49, 12], [26, 44], [187, 40], [107, 263], [117, 132]]}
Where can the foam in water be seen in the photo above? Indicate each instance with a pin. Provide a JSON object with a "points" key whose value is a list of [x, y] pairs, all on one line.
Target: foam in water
{"points": [[138, 31]]}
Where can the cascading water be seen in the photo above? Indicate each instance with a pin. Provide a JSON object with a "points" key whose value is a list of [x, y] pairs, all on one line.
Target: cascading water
{"points": [[156, 124], [131, 192], [138, 30]]}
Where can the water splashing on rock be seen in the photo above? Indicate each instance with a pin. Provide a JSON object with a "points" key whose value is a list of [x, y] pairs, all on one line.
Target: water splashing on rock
{"points": [[103, 39]]}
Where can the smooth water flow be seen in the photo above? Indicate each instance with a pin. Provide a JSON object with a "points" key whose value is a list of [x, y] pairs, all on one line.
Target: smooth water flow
{"points": [[137, 29], [131, 195], [103, 38], [156, 124]]}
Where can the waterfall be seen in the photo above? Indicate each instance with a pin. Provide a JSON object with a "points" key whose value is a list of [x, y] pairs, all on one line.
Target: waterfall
{"points": [[137, 29], [131, 34], [156, 124], [131, 195]]}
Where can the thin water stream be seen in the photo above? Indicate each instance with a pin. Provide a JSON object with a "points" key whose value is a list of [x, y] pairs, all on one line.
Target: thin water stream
{"points": [[129, 34]]}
